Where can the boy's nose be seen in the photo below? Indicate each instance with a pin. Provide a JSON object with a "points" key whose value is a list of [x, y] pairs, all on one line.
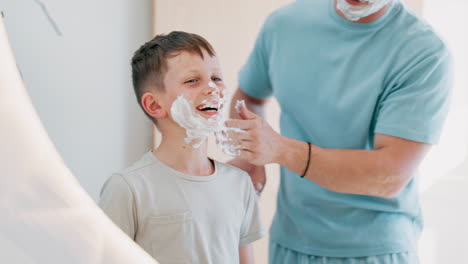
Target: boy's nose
{"points": [[212, 88]]}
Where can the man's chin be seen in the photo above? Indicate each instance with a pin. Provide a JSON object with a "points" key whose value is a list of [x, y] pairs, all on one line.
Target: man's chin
{"points": [[357, 2]]}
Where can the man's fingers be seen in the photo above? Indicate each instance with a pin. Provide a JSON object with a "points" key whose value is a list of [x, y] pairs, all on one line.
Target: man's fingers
{"points": [[246, 145], [241, 124], [234, 135], [245, 154], [243, 112], [239, 145]]}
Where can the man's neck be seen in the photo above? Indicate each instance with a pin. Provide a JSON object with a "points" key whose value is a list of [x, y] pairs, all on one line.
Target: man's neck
{"points": [[184, 158], [369, 18]]}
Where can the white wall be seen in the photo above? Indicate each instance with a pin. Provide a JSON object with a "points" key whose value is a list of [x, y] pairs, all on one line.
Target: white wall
{"points": [[445, 199], [80, 83]]}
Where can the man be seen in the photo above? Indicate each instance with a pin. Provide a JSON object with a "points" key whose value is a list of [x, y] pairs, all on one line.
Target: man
{"points": [[366, 83]]}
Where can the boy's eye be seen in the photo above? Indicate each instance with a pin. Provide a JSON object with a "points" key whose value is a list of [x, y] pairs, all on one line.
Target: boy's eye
{"points": [[216, 79], [191, 81]]}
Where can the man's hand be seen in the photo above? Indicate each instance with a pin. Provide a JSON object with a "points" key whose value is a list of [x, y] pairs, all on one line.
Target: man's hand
{"points": [[257, 173], [259, 144]]}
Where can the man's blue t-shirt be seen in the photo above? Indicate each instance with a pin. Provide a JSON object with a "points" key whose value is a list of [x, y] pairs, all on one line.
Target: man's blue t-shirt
{"points": [[339, 83]]}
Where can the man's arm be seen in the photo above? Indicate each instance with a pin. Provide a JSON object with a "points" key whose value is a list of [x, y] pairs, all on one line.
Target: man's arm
{"points": [[246, 255], [382, 172]]}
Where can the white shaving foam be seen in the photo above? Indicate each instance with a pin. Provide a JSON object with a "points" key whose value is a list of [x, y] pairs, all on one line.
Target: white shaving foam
{"points": [[355, 13], [224, 142], [196, 126], [212, 85], [239, 104], [199, 128]]}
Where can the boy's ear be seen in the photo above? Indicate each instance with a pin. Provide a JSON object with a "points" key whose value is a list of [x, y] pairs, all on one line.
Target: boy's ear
{"points": [[152, 106]]}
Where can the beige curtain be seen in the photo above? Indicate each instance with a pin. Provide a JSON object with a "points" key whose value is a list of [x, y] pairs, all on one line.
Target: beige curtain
{"points": [[416, 5]]}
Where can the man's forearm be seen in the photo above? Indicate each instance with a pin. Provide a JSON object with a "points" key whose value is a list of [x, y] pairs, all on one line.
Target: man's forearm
{"points": [[382, 172], [366, 172], [341, 170]]}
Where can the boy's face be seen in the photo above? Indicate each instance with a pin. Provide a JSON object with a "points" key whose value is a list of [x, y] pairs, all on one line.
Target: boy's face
{"points": [[198, 79]]}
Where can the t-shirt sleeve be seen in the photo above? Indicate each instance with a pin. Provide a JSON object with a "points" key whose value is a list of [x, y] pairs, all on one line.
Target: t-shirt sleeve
{"points": [[416, 105], [254, 77], [251, 228], [118, 202]]}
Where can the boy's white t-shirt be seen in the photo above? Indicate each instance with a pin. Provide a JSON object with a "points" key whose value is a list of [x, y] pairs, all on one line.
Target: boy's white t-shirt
{"points": [[178, 218]]}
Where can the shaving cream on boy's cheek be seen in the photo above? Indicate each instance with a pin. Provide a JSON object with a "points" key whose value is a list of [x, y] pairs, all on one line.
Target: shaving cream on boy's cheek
{"points": [[196, 126], [199, 128], [355, 13]]}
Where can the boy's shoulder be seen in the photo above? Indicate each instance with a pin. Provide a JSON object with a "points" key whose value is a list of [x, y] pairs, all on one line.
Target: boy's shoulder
{"points": [[138, 169]]}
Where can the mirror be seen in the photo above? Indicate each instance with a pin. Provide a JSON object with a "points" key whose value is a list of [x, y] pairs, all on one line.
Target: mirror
{"points": [[47, 216]]}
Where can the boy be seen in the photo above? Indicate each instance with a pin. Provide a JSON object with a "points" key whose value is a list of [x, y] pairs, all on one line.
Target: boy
{"points": [[175, 202]]}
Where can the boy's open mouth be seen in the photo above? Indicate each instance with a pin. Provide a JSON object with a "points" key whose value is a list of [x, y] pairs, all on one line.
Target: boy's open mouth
{"points": [[210, 108]]}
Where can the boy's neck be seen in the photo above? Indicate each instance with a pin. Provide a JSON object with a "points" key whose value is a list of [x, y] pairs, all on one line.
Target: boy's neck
{"points": [[185, 158]]}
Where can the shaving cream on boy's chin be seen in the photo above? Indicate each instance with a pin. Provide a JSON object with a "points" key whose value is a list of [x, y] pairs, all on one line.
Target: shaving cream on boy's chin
{"points": [[199, 129], [196, 127]]}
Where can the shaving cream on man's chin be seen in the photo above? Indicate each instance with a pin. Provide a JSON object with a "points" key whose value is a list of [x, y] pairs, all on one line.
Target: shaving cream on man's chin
{"points": [[355, 13]]}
